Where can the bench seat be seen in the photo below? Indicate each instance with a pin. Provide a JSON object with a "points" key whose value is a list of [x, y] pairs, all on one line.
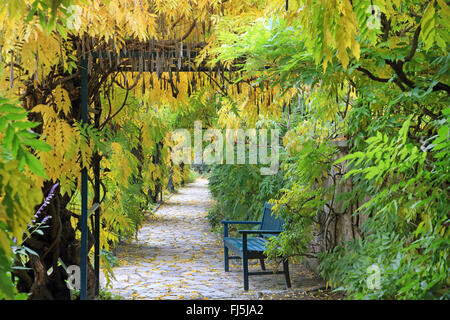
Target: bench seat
{"points": [[255, 246]]}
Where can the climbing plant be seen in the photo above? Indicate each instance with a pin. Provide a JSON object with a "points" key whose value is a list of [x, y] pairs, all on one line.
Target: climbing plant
{"points": [[371, 76], [359, 90]]}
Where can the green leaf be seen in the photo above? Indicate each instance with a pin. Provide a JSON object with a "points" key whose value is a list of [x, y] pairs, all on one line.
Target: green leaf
{"points": [[26, 124], [443, 131], [9, 136], [37, 144], [372, 172], [428, 26], [8, 108], [35, 165], [31, 251]]}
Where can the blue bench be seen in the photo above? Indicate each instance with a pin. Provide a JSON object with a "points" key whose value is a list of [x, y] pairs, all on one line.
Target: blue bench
{"points": [[253, 247]]}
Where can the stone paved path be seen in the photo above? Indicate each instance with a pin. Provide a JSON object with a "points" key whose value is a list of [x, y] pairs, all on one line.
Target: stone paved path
{"points": [[176, 256]]}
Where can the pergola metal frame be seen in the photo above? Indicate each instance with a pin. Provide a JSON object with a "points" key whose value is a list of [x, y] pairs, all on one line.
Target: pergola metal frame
{"points": [[84, 103]]}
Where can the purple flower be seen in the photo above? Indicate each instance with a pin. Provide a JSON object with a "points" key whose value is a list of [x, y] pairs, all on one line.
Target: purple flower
{"points": [[46, 218], [46, 203]]}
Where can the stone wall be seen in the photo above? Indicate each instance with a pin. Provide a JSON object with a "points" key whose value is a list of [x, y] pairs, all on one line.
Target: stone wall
{"points": [[337, 224]]}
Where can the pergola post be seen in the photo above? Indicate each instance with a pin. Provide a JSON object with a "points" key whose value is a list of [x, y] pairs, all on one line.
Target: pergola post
{"points": [[84, 186], [96, 168]]}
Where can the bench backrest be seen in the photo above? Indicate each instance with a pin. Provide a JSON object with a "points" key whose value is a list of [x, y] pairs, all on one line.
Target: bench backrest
{"points": [[269, 221]]}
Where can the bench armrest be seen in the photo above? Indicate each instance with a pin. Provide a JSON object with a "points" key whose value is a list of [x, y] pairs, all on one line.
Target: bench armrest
{"points": [[240, 222], [260, 231], [227, 222]]}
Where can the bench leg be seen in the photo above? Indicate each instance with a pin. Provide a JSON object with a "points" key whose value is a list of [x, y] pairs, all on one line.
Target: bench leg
{"points": [[261, 262], [286, 272], [245, 270], [226, 260], [245, 261]]}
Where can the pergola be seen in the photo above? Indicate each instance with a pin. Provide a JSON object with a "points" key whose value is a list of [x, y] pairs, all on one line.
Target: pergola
{"points": [[142, 57]]}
